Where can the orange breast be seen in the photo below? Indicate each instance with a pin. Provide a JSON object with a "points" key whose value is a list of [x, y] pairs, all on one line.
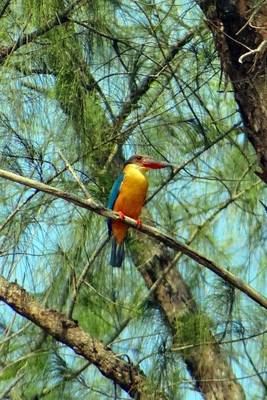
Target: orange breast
{"points": [[130, 199]]}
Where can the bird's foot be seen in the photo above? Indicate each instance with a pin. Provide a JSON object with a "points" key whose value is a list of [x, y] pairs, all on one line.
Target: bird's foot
{"points": [[138, 223], [121, 215]]}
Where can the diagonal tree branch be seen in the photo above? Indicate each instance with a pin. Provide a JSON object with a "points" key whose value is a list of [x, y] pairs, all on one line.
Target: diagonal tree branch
{"points": [[168, 240], [129, 377]]}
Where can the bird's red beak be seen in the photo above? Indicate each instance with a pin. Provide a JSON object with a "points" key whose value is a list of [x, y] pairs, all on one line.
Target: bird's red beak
{"points": [[150, 163]]}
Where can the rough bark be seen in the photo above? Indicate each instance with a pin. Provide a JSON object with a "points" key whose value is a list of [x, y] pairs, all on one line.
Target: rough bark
{"points": [[240, 34], [209, 368], [126, 375]]}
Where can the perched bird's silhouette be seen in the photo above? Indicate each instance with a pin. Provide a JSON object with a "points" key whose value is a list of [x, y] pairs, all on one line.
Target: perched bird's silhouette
{"points": [[127, 197]]}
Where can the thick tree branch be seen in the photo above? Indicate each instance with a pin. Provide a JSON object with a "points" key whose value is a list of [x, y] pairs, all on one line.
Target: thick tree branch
{"points": [[129, 377], [169, 241]]}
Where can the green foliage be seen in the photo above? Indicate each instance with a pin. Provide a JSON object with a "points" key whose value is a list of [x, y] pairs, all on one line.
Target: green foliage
{"points": [[40, 11], [192, 329], [77, 90]]}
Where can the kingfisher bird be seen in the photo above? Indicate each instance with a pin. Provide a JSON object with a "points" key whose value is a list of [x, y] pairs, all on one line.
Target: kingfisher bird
{"points": [[127, 197]]}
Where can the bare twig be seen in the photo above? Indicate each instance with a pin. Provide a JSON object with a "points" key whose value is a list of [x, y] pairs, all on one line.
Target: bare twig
{"points": [[75, 176], [261, 47], [83, 275]]}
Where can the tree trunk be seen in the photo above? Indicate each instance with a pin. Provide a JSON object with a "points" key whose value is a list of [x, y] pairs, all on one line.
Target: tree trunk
{"points": [[207, 365], [240, 32]]}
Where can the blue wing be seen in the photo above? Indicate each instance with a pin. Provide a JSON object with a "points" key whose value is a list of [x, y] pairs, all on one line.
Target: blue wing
{"points": [[113, 196]]}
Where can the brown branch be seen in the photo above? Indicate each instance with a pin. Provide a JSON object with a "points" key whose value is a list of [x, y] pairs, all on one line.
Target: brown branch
{"points": [[168, 240], [129, 377]]}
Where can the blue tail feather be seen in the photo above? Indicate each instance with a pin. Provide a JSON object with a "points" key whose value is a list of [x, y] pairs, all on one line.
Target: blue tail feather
{"points": [[117, 253]]}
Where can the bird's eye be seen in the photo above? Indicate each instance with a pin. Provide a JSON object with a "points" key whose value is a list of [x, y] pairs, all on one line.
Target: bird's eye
{"points": [[139, 157]]}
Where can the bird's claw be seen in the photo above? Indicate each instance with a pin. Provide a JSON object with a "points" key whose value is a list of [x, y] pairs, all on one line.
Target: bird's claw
{"points": [[121, 215], [138, 223]]}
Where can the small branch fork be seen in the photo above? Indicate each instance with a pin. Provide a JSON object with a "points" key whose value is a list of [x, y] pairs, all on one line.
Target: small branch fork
{"points": [[262, 46], [168, 240]]}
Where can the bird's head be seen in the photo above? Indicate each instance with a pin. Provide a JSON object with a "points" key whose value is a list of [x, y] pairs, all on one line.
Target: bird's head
{"points": [[145, 163]]}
